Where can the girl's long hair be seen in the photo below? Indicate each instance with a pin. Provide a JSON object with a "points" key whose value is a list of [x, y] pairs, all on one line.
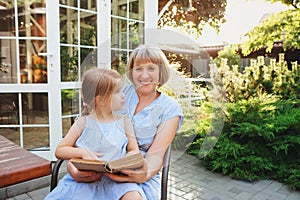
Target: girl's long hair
{"points": [[98, 82]]}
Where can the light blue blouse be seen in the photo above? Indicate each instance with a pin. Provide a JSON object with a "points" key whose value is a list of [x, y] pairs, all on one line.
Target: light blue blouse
{"points": [[145, 125]]}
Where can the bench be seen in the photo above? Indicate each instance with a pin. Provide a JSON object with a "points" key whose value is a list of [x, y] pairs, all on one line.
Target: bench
{"points": [[18, 165]]}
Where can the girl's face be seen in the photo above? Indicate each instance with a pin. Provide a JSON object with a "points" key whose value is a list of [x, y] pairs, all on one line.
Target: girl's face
{"points": [[118, 97], [145, 77]]}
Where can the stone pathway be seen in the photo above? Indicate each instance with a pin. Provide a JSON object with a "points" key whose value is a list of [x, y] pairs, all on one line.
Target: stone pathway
{"points": [[187, 181]]}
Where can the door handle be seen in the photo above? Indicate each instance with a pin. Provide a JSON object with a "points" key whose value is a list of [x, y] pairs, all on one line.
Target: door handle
{"points": [[49, 56]]}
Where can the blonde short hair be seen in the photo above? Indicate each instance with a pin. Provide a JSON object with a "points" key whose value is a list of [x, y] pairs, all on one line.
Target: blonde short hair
{"points": [[149, 54]]}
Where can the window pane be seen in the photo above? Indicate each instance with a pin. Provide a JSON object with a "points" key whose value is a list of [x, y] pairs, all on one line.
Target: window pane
{"points": [[88, 4], [118, 61], [118, 33], [9, 109], [88, 29], [32, 19], [66, 125], [72, 3], [70, 102], [12, 134], [88, 59], [136, 9], [35, 108], [33, 67], [70, 108], [135, 34], [36, 138], [69, 63], [68, 26], [8, 65], [119, 8], [7, 19]]}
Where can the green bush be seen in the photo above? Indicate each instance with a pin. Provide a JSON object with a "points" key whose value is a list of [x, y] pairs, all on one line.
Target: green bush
{"points": [[260, 138]]}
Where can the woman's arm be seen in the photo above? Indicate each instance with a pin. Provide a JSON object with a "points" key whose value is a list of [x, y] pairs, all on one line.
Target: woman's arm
{"points": [[164, 137], [155, 155]]}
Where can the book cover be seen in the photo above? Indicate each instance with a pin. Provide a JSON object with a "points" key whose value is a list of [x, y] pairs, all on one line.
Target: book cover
{"points": [[128, 162]]}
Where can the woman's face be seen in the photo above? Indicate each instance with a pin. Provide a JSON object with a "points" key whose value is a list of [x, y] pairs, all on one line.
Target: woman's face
{"points": [[145, 77]]}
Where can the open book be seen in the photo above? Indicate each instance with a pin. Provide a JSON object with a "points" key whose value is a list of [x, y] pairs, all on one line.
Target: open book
{"points": [[128, 162]]}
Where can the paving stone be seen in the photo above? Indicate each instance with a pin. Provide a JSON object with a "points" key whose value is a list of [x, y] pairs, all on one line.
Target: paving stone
{"points": [[243, 196], [215, 195], [293, 196], [274, 186], [226, 193], [39, 193], [235, 190], [177, 191], [284, 190], [260, 185], [192, 195], [261, 196], [3, 194], [21, 197], [188, 180]]}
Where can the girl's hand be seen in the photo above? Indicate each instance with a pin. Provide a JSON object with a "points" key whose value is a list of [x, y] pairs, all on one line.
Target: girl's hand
{"points": [[83, 176], [129, 175]]}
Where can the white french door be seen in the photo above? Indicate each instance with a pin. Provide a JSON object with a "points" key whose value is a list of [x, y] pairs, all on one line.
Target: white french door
{"points": [[29, 67], [45, 46]]}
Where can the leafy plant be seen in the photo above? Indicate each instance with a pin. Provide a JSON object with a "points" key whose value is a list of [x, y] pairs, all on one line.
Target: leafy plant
{"points": [[191, 16], [259, 78], [276, 27], [260, 138]]}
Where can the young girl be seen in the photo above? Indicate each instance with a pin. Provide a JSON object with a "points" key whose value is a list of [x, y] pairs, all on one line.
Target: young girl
{"points": [[99, 133]]}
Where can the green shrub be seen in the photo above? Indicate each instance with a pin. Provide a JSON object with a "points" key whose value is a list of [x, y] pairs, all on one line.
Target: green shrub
{"points": [[260, 138]]}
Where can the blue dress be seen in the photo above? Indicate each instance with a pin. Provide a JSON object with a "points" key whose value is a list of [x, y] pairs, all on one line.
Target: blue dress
{"points": [[109, 139], [145, 125]]}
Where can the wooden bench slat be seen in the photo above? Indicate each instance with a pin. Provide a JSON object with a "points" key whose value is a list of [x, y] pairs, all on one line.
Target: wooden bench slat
{"points": [[18, 165]]}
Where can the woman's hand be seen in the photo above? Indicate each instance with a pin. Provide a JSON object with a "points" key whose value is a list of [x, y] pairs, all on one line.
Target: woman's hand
{"points": [[83, 176], [129, 175]]}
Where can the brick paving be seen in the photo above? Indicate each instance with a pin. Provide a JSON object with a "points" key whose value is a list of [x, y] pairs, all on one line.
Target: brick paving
{"points": [[187, 181]]}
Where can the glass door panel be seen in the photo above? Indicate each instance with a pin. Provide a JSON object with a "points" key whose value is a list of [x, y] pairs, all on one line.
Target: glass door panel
{"points": [[127, 30], [26, 114], [8, 57], [24, 108], [36, 138], [33, 67], [78, 52], [69, 63]]}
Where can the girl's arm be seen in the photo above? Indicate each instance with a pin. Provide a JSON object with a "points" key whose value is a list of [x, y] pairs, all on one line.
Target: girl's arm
{"points": [[155, 155], [132, 146], [66, 148]]}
